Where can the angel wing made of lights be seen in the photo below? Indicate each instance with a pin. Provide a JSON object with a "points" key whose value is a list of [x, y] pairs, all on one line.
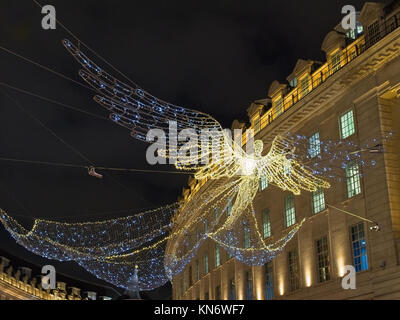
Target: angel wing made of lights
{"points": [[135, 109]]}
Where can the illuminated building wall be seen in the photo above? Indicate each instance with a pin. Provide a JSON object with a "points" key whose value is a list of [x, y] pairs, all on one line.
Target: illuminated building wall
{"points": [[20, 284], [354, 95]]}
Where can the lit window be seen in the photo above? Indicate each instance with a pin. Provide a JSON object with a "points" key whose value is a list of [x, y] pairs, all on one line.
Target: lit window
{"points": [[315, 145], [232, 290], [360, 28], [318, 200], [293, 83], [294, 275], [266, 224], [351, 34], [217, 256], [353, 179], [359, 247], [323, 260], [347, 127], [246, 237], [335, 60], [290, 212], [279, 107], [263, 183], [287, 169], [216, 212], [269, 281], [249, 286], [229, 207], [304, 85], [206, 263]]}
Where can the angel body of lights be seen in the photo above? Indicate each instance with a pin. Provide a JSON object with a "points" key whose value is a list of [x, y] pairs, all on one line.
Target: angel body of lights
{"points": [[111, 249]]}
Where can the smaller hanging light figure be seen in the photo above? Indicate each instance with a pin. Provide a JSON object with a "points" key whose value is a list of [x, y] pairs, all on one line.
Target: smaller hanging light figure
{"points": [[92, 172]]}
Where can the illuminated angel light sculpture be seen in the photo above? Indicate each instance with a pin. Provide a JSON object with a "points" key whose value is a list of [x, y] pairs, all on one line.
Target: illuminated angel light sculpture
{"points": [[111, 249]]}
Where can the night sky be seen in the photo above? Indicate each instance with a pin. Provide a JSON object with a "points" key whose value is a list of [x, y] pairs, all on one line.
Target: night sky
{"points": [[213, 56]]}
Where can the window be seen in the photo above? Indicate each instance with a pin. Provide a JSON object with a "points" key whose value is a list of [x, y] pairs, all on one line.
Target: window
{"points": [[359, 247], [335, 60], [206, 263], [197, 270], [323, 260], [353, 179], [351, 34], [232, 290], [293, 264], [279, 107], [266, 224], [205, 226], [318, 200], [360, 28], [206, 296], [287, 169], [304, 85], [293, 83], [246, 236], [347, 127], [249, 286], [229, 207], [216, 212], [218, 293], [269, 281], [290, 213], [263, 183], [315, 145], [217, 256]]}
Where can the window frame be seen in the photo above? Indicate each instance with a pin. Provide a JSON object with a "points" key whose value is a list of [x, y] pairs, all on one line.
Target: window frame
{"points": [[269, 280], [217, 256], [206, 264], [313, 200], [293, 270], [292, 219], [323, 259], [363, 263], [354, 124], [354, 181], [315, 145], [267, 232]]}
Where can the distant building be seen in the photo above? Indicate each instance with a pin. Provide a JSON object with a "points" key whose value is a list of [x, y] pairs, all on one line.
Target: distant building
{"points": [[355, 95], [19, 284]]}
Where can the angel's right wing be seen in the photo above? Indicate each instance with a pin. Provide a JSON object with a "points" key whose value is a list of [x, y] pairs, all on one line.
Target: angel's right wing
{"points": [[132, 107], [281, 168]]}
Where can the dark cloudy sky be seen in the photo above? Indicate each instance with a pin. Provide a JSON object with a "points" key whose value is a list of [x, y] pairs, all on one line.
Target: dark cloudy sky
{"points": [[214, 56]]}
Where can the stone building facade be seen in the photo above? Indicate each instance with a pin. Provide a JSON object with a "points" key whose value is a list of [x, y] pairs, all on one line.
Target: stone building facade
{"points": [[18, 283], [354, 95]]}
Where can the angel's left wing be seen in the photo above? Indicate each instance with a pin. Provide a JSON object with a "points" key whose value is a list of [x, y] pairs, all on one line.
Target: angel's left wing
{"points": [[281, 168], [137, 110]]}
